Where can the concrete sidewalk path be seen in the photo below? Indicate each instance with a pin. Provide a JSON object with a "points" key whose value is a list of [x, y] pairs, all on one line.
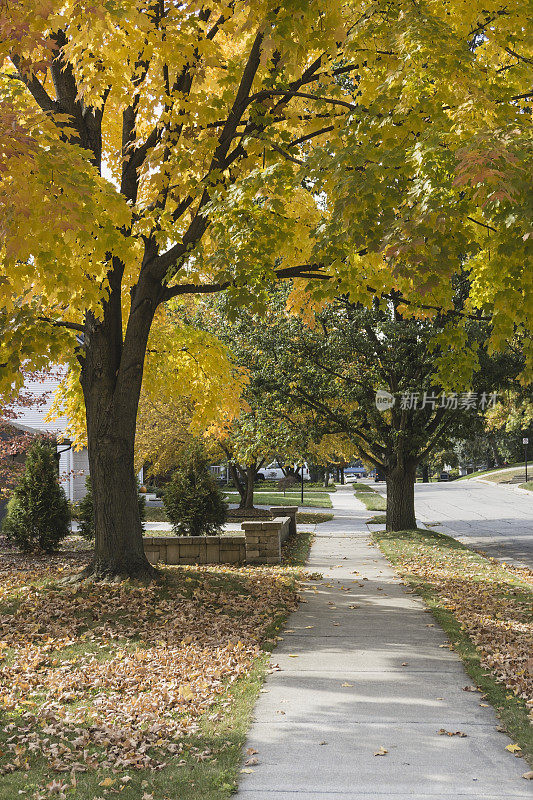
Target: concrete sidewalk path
{"points": [[364, 667]]}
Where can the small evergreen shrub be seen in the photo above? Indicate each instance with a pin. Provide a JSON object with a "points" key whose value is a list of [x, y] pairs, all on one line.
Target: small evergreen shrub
{"points": [[193, 500], [86, 512], [38, 515]]}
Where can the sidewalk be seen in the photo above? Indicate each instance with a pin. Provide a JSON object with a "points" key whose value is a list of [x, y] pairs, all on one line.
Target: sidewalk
{"points": [[362, 668]]}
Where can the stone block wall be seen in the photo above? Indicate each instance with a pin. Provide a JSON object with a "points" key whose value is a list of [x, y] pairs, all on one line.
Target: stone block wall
{"points": [[264, 539], [260, 543], [195, 549]]}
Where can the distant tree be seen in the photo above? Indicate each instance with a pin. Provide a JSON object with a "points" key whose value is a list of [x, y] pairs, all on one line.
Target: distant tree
{"points": [[38, 515], [329, 373], [193, 500]]}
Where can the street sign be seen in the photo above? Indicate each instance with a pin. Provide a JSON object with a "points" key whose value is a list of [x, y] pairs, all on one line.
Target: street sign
{"points": [[525, 440]]}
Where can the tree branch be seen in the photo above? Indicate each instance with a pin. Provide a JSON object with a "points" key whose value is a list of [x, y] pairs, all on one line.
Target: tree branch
{"points": [[63, 323], [310, 271], [263, 94]]}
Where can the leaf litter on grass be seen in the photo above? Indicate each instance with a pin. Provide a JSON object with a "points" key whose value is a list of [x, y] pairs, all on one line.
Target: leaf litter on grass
{"points": [[114, 677]]}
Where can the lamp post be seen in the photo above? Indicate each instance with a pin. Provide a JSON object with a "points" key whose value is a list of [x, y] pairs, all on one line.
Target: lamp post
{"points": [[302, 485], [525, 442]]}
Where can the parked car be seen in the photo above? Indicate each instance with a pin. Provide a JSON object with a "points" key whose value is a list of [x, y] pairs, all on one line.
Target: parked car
{"points": [[273, 472]]}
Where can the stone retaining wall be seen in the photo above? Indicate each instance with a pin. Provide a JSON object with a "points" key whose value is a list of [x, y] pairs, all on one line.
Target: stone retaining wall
{"points": [[195, 549], [260, 543]]}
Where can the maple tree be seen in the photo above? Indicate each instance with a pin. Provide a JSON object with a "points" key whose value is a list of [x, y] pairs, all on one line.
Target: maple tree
{"points": [[156, 149]]}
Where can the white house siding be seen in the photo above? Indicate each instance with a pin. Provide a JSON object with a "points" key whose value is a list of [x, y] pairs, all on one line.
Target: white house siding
{"points": [[73, 464]]}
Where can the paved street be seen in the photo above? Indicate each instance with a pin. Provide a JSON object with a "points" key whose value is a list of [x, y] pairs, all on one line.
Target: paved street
{"points": [[495, 519], [365, 684]]}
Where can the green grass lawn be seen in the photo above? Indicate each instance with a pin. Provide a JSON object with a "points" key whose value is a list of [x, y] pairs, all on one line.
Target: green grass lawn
{"points": [[528, 486], [308, 486], [312, 498], [372, 500], [304, 517], [130, 690], [520, 467], [487, 611]]}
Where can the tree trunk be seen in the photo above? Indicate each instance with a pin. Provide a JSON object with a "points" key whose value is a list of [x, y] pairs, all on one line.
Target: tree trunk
{"points": [[401, 498], [119, 549], [247, 500], [111, 378], [239, 485]]}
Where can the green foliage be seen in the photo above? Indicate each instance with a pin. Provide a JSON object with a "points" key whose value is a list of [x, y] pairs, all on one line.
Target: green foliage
{"points": [[38, 514], [85, 511], [193, 500]]}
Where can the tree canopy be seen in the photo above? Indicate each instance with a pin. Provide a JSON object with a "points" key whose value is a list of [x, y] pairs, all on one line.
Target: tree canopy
{"points": [[155, 148]]}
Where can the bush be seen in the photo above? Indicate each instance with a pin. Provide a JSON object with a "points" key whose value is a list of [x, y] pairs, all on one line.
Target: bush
{"points": [[193, 500], [38, 515], [86, 512], [287, 482]]}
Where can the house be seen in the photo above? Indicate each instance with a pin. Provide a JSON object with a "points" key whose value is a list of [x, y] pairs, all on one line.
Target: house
{"points": [[73, 464]]}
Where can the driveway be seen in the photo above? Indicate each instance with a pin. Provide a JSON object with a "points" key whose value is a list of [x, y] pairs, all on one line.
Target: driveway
{"points": [[495, 519]]}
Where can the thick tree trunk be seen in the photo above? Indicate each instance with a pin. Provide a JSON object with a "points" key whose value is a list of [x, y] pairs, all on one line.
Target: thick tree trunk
{"points": [[111, 378], [401, 498], [119, 550]]}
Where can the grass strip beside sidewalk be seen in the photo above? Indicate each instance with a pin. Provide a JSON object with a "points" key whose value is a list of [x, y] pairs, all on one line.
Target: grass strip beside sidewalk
{"points": [[485, 608], [142, 691], [372, 500]]}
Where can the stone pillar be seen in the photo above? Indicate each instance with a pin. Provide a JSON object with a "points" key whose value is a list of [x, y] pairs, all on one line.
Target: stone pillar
{"points": [[263, 540], [286, 511]]}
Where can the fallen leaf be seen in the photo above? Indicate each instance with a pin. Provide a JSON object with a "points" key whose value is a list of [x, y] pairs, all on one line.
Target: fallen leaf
{"points": [[381, 752], [513, 748]]}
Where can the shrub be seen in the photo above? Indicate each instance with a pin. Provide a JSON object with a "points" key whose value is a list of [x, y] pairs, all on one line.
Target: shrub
{"points": [[86, 512], [287, 482], [38, 515], [193, 500]]}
